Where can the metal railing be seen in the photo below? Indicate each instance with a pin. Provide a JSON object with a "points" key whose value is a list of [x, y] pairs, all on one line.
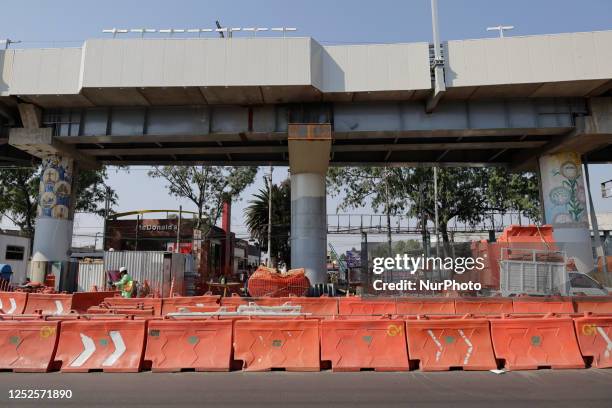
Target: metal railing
{"points": [[377, 224]]}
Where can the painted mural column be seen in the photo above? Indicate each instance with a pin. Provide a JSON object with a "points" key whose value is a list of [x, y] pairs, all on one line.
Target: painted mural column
{"points": [[565, 206], [309, 149], [55, 211]]}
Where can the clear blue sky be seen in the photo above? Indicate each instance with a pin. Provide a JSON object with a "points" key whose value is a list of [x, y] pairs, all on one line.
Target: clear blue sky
{"points": [[68, 22]]}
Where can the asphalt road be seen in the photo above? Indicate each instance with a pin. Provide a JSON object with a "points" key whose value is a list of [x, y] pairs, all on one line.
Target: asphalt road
{"points": [[545, 388]]}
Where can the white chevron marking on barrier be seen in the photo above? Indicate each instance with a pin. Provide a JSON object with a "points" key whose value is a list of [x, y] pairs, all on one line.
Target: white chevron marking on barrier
{"points": [[13, 306], [435, 339], [59, 307], [89, 347], [119, 349], [470, 347], [603, 334]]}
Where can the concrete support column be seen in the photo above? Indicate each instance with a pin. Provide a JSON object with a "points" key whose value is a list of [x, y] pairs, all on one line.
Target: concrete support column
{"points": [[309, 225], [55, 212], [309, 149], [565, 206]]}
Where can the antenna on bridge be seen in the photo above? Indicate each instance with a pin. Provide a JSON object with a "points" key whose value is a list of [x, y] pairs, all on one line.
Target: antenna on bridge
{"points": [[8, 42], [143, 31], [501, 29], [254, 30], [224, 32], [115, 31], [284, 29]]}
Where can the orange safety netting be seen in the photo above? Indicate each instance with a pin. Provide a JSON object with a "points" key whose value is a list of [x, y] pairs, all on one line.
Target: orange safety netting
{"points": [[269, 282]]}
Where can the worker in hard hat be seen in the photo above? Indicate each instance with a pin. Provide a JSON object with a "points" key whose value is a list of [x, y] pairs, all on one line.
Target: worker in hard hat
{"points": [[125, 284]]}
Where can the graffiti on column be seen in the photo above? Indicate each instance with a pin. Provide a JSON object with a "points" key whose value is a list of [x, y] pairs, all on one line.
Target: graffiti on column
{"points": [[55, 188], [563, 189]]}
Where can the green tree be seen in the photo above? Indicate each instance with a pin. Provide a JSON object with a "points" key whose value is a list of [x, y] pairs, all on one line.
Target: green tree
{"points": [[257, 219], [465, 194], [19, 189], [206, 187]]}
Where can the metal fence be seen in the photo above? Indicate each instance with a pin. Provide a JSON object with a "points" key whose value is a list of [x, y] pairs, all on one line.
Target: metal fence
{"points": [[91, 274], [160, 269]]}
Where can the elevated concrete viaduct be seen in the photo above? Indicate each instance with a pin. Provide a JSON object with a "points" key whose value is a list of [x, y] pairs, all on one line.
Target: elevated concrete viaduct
{"points": [[537, 102]]}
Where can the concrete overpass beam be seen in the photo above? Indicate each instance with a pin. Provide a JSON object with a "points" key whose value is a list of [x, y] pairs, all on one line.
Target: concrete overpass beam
{"points": [[565, 206], [39, 142], [592, 132], [309, 150]]}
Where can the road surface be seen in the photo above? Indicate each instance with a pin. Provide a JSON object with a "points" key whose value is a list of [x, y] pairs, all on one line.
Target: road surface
{"points": [[545, 388]]}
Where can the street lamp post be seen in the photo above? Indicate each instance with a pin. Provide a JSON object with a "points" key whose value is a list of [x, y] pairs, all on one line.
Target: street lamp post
{"points": [[270, 218]]}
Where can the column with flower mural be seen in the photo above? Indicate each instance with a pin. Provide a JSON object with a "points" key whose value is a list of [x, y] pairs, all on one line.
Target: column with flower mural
{"points": [[55, 209], [565, 207]]}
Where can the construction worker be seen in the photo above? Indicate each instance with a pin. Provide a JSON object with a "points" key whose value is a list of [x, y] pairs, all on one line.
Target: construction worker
{"points": [[125, 284]]}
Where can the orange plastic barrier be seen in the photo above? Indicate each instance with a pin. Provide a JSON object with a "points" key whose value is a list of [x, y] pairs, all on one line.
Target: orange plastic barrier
{"points": [[111, 345], [203, 345], [530, 343], [12, 302], [266, 344], [81, 301], [135, 303], [442, 344], [173, 304], [593, 304], [261, 301], [595, 339], [48, 303], [352, 345], [542, 305], [418, 305], [27, 346], [359, 306], [317, 306], [235, 300], [480, 306]]}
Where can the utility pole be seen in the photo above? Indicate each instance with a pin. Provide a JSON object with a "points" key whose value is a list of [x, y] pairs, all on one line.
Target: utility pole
{"points": [[106, 211], [435, 172], [178, 230], [388, 210], [270, 217], [600, 250]]}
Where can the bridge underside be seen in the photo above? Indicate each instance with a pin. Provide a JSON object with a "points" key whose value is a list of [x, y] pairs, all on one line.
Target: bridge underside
{"points": [[478, 132]]}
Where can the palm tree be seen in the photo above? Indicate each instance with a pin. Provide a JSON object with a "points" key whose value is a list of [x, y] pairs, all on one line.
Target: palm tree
{"points": [[257, 219]]}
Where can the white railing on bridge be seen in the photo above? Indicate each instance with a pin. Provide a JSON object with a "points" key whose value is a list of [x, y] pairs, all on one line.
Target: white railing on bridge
{"points": [[401, 224]]}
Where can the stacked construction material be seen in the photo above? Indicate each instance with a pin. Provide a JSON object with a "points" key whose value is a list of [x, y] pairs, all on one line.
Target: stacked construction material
{"points": [[270, 282]]}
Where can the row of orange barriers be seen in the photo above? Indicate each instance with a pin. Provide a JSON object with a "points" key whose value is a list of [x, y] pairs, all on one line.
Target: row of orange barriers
{"points": [[461, 306], [106, 302], [430, 343], [14, 303]]}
